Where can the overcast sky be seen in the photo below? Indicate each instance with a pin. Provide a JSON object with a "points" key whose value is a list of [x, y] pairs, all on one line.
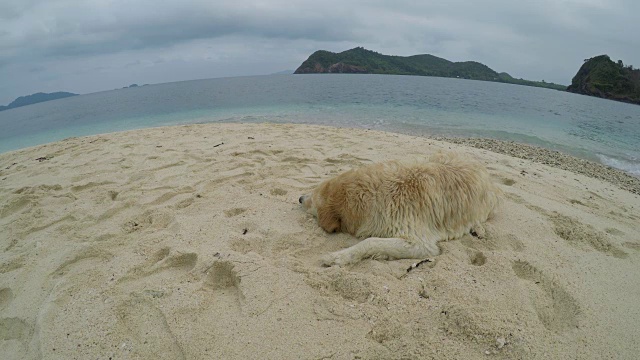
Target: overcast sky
{"points": [[85, 46]]}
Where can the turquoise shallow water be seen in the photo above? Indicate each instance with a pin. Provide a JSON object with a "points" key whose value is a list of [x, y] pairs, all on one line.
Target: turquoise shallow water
{"points": [[587, 127]]}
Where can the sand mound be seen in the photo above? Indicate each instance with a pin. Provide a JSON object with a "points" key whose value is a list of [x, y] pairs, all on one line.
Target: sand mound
{"points": [[187, 242]]}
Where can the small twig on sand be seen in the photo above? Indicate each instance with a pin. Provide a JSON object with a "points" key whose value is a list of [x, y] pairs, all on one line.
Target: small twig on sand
{"points": [[218, 144], [415, 265]]}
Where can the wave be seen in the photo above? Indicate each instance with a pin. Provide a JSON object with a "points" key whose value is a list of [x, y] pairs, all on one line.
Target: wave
{"points": [[631, 166]]}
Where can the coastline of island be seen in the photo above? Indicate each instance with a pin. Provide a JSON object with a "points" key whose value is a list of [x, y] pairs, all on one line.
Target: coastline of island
{"points": [[35, 99], [362, 61]]}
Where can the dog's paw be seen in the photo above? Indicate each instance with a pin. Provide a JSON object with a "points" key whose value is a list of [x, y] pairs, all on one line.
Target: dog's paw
{"points": [[478, 231], [339, 258]]}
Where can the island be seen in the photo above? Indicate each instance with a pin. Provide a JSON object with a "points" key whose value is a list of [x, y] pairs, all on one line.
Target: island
{"points": [[362, 61], [134, 86], [36, 98], [602, 77]]}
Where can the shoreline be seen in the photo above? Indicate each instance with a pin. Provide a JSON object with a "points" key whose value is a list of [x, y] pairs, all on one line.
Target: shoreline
{"points": [[552, 158], [541, 155], [537, 154]]}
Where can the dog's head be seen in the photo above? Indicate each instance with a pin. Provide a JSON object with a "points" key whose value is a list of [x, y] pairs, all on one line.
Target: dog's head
{"points": [[323, 204]]}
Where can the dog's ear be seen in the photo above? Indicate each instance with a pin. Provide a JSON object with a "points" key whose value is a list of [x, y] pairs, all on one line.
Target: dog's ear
{"points": [[328, 219]]}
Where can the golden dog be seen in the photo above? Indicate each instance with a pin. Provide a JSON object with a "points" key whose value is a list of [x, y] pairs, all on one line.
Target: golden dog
{"points": [[403, 209]]}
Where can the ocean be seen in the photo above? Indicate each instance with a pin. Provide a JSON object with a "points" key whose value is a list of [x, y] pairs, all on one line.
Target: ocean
{"points": [[592, 128]]}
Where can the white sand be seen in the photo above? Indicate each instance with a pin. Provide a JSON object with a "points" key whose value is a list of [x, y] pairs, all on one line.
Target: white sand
{"points": [[158, 244]]}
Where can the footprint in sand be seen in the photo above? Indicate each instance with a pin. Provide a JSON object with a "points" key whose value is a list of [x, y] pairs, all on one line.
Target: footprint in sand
{"points": [[386, 330], [632, 245], [16, 205], [25, 227], [236, 175], [165, 259], [221, 275], [234, 212], [346, 159], [180, 194], [38, 189], [26, 197], [149, 334], [223, 279], [556, 308], [351, 286], [478, 258], [494, 240], [113, 195], [90, 185], [78, 257], [460, 321], [615, 232], [268, 242], [162, 260], [296, 160], [153, 219], [13, 264], [278, 192], [508, 182], [184, 203], [181, 261], [6, 296], [577, 233], [18, 330]]}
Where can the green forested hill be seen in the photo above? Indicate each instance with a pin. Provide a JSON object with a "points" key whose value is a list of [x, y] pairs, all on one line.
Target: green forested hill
{"points": [[360, 60], [601, 77]]}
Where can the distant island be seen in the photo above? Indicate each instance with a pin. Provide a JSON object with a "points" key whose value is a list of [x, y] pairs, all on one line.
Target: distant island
{"points": [[36, 98], [134, 86], [283, 72], [601, 77], [362, 61]]}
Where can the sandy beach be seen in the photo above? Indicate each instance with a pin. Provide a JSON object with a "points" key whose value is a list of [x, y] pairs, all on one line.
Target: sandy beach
{"points": [[188, 243]]}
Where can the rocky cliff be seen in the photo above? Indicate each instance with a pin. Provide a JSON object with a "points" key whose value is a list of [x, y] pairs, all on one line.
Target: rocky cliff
{"points": [[601, 77]]}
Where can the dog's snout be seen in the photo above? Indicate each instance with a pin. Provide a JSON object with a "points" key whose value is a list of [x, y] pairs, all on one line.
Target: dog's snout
{"points": [[301, 199]]}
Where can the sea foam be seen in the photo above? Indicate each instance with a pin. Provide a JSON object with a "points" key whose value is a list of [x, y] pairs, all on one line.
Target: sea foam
{"points": [[631, 166]]}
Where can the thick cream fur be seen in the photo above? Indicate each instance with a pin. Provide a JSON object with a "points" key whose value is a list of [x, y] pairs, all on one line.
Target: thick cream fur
{"points": [[403, 209]]}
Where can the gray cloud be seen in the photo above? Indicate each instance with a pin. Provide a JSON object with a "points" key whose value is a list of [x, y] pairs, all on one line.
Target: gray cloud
{"points": [[88, 46], [77, 28]]}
